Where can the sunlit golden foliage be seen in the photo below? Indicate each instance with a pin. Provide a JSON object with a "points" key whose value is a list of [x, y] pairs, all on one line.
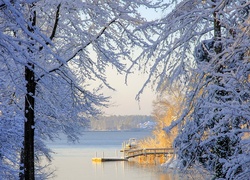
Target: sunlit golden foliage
{"points": [[167, 108]]}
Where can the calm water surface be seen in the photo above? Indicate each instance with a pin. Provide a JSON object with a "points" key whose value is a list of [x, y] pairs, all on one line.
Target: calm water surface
{"points": [[74, 161]]}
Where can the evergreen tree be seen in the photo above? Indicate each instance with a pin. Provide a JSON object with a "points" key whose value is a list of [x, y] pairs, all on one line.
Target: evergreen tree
{"points": [[214, 125]]}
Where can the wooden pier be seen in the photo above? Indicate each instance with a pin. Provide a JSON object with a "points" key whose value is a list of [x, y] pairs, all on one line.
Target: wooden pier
{"points": [[130, 149], [147, 151], [136, 153]]}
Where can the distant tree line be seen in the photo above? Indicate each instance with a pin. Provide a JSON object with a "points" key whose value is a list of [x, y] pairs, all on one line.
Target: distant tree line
{"points": [[113, 123]]}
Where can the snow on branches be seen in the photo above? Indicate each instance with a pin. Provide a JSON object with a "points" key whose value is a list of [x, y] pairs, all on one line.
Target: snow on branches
{"points": [[54, 56], [214, 126]]}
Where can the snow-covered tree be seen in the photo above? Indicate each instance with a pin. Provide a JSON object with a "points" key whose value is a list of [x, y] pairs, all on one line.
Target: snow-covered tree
{"points": [[214, 125], [54, 56]]}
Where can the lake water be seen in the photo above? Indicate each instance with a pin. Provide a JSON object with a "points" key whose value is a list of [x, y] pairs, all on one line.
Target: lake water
{"points": [[74, 161]]}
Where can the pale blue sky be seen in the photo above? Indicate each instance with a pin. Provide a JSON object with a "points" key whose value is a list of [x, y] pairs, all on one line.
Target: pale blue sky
{"points": [[123, 99]]}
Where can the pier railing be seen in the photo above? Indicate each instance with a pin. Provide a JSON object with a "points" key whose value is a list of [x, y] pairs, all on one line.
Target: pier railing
{"points": [[147, 151]]}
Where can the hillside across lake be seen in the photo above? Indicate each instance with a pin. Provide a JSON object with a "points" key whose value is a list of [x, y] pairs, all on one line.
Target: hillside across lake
{"points": [[121, 123]]}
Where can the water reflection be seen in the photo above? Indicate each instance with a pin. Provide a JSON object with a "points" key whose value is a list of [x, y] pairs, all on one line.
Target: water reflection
{"points": [[130, 170], [74, 162]]}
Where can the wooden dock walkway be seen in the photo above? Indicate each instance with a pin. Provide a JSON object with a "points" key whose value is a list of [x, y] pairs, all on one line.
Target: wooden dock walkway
{"points": [[135, 153], [147, 151]]}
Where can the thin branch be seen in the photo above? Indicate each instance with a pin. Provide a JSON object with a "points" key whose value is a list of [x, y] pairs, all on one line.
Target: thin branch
{"points": [[82, 48], [53, 33], [56, 22], [91, 41]]}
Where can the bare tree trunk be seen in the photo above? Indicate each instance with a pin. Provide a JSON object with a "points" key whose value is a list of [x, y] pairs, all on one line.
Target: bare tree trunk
{"points": [[224, 147], [217, 31], [27, 161], [21, 173], [29, 167], [220, 142], [28, 152]]}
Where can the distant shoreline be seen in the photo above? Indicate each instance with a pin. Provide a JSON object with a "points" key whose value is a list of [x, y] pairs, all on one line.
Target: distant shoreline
{"points": [[129, 130]]}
